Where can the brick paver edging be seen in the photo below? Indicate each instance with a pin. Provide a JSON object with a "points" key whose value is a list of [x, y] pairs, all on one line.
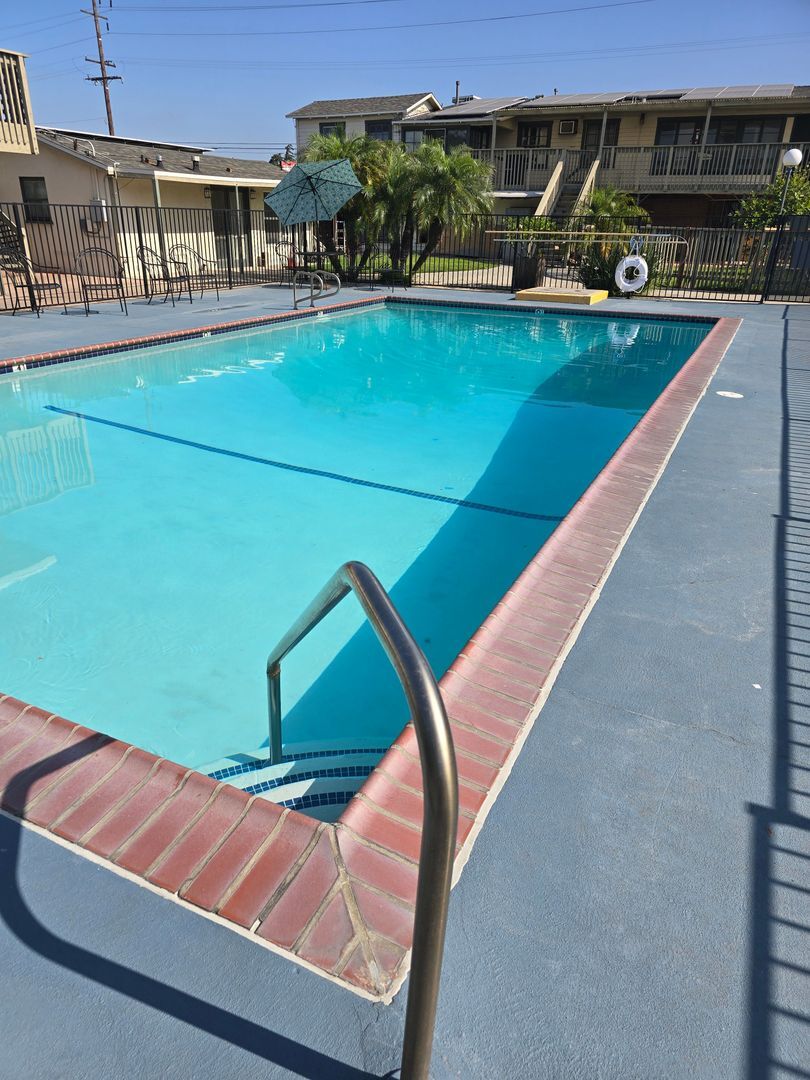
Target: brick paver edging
{"points": [[340, 897]]}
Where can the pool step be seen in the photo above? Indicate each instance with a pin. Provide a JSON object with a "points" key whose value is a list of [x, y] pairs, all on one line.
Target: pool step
{"points": [[318, 782]]}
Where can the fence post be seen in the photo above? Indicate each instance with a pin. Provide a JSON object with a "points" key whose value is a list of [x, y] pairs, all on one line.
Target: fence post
{"points": [[773, 257], [228, 254], [139, 230]]}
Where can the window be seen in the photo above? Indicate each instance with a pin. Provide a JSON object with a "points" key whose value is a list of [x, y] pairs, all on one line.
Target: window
{"points": [[413, 137], [333, 127], [35, 199], [457, 136], [592, 133], [534, 134], [745, 129], [379, 130], [680, 132]]}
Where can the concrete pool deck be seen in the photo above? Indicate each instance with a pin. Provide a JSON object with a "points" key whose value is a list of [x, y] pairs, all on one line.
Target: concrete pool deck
{"points": [[635, 933]]}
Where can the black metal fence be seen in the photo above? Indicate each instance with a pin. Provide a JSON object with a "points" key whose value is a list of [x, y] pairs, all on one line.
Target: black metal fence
{"points": [[240, 247], [565, 253], [249, 247]]}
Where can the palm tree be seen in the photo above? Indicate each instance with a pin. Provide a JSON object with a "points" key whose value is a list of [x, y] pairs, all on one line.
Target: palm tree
{"points": [[610, 208], [367, 159], [392, 202], [448, 190]]}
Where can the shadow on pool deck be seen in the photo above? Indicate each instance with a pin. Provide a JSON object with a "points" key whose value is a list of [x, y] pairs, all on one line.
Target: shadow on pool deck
{"points": [[780, 905], [194, 1011]]}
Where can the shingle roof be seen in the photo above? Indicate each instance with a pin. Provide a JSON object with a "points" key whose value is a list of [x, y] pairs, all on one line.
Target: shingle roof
{"points": [[368, 106], [128, 157]]}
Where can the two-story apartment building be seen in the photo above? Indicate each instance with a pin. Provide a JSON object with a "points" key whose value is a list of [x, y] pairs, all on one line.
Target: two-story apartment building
{"points": [[377, 117], [688, 155]]}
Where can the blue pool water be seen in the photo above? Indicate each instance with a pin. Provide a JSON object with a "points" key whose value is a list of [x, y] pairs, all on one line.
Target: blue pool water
{"points": [[165, 514]]}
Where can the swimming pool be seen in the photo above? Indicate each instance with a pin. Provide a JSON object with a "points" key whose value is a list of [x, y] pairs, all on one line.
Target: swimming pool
{"points": [[168, 512]]}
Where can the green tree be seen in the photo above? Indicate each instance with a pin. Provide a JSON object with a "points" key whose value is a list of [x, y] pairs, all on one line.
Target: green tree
{"points": [[392, 203], [368, 160], [760, 210], [288, 155], [611, 209], [448, 189]]}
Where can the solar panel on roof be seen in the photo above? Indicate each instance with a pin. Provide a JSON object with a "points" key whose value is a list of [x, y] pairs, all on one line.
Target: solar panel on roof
{"points": [[774, 90], [715, 93], [738, 91], [702, 93], [556, 100]]}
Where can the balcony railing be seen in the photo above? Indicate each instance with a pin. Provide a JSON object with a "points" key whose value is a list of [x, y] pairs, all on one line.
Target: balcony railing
{"points": [[716, 168], [17, 134]]}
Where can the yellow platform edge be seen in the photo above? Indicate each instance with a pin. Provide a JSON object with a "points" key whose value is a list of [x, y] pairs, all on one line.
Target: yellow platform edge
{"points": [[563, 296]]}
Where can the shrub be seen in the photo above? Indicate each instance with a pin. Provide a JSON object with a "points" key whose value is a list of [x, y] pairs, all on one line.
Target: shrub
{"points": [[761, 209], [597, 267]]}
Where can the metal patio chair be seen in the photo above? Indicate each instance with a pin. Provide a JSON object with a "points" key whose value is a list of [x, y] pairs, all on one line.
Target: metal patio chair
{"points": [[201, 271], [23, 278], [101, 277], [164, 272], [290, 259]]}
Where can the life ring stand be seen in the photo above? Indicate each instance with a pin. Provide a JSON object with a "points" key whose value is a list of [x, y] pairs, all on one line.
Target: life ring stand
{"points": [[632, 273]]}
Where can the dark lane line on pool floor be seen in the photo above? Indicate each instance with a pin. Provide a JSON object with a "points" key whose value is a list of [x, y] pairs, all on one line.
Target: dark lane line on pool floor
{"points": [[305, 470]]}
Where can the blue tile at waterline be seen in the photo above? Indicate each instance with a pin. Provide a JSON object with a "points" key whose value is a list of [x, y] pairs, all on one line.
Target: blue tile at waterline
{"points": [[176, 569]]}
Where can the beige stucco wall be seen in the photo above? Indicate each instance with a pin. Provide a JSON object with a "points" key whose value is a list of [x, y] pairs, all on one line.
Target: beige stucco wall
{"points": [[355, 125], [68, 179], [71, 184], [635, 128]]}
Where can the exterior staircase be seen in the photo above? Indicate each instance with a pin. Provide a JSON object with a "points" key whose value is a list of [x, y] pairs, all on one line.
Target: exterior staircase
{"points": [[315, 780], [9, 236], [566, 200]]}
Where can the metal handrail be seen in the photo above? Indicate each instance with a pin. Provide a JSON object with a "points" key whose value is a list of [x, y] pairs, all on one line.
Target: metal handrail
{"points": [[439, 785], [315, 279]]}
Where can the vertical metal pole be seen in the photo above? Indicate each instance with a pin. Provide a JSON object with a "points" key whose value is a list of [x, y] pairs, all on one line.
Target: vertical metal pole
{"points": [[159, 215], [274, 713], [437, 851], [704, 136], [228, 253], [139, 230], [602, 131], [772, 260], [788, 178]]}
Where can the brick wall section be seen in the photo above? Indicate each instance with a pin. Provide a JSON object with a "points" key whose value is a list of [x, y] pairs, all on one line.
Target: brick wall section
{"points": [[340, 897]]}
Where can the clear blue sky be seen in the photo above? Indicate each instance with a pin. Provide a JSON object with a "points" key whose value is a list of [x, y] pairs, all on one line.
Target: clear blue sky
{"points": [[226, 72]]}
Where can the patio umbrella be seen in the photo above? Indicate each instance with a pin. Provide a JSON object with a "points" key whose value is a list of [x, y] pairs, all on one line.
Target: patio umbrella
{"points": [[313, 191]]}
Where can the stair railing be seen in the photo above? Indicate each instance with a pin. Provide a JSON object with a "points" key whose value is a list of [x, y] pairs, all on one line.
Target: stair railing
{"points": [[439, 786]]}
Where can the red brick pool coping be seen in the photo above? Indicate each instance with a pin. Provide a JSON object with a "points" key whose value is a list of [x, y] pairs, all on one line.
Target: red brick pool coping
{"points": [[339, 898]]}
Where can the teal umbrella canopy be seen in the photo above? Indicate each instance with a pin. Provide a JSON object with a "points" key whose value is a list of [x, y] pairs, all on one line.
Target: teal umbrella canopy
{"points": [[313, 191]]}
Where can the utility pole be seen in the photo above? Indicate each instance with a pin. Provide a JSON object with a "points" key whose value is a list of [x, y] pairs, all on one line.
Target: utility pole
{"points": [[102, 62]]}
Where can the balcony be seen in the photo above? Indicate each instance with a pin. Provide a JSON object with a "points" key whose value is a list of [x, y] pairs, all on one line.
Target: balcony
{"points": [[17, 134], [734, 168]]}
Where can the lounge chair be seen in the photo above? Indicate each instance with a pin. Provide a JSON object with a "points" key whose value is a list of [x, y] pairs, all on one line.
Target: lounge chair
{"points": [[158, 270], [101, 277], [201, 271], [23, 279]]}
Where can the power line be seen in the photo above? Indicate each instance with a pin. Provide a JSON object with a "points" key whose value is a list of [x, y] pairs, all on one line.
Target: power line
{"points": [[31, 22], [46, 29], [62, 45], [392, 26], [251, 7], [510, 59]]}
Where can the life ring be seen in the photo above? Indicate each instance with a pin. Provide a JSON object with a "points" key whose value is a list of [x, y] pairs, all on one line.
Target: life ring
{"points": [[632, 273]]}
